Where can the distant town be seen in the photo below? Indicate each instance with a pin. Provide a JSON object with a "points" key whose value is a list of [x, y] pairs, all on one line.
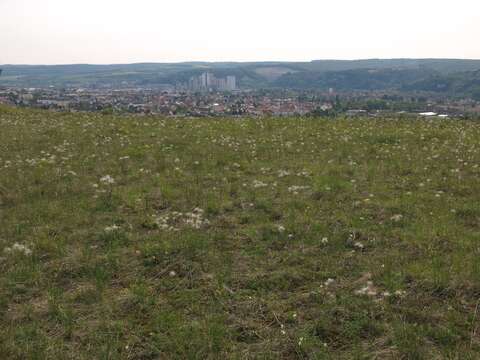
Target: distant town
{"points": [[206, 95], [419, 87]]}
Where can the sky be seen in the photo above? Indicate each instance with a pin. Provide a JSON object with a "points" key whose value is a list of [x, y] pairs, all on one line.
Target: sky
{"points": [[121, 31]]}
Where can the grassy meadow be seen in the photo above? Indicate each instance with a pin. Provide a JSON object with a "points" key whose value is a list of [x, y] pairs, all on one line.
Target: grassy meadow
{"points": [[277, 238]]}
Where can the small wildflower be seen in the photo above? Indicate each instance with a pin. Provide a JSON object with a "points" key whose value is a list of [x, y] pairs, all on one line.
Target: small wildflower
{"points": [[283, 173], [359, 245], [18, 248], [368, 290], [112, 228], [107, 179], [295, 189], [329, 281], [396, 217], [258, 184]]}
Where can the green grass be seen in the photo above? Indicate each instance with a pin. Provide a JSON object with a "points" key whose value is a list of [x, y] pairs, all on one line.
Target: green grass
{"points": [[294, 238]]}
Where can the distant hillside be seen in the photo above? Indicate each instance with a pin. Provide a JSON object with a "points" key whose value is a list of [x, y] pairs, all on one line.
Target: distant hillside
{"points": [[444, 66], [437, 75], [459, 83], [357, 79], [248, 74]]}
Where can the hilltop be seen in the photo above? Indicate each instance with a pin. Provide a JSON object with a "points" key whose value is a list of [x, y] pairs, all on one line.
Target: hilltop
{"points": [[296, 238]]}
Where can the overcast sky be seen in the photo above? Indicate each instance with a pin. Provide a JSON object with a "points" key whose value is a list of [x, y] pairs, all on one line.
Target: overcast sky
{"points": [[121, 31]]}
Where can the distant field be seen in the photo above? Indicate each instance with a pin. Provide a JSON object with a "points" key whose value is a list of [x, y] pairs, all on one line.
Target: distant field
{"points": [[273, 72], [292, 238]]}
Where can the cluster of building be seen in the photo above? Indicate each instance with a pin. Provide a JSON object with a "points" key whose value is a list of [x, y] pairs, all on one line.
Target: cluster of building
{"points": [[241, 103], [209, 82], [219, 102], [154, 101], [79, 99]]}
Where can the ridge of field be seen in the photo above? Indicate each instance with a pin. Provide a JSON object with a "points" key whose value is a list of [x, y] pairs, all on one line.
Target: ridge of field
{"points": [[296, 238]]}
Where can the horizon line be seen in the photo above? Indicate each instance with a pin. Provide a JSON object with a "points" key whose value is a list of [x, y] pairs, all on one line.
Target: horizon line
{"points": [[237, 61]]}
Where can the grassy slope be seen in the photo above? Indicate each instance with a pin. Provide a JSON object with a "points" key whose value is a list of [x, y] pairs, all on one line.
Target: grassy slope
{"points": [[240, 286]]}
